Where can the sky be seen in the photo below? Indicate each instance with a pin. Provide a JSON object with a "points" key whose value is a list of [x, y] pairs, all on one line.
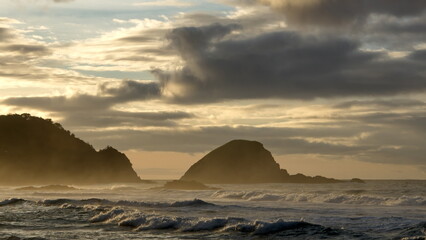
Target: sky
{"points": [[330, 87]]}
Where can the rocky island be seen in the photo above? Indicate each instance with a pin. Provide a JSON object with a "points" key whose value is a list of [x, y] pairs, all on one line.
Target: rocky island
{"points": [[37, 151], [243, 162]]}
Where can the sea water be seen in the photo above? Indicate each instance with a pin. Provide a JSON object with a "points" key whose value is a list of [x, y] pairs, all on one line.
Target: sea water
{"points": [[374, 210]]}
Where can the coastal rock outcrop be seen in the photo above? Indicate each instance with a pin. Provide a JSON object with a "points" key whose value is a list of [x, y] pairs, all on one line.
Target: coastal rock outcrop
{"points": [[241, 162], [37, 151]]}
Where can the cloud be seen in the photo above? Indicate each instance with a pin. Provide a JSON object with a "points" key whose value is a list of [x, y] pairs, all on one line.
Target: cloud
{"points": [[394, 136], [340, 12], [419, 55], [282, 141], [246, 65], [5, 20], [284, 64], [394, 103], [112, 118], [84, 110], [164, 3], [81, 102], [27, 49], [129, 90], [62, 1], [125, 91], [203, 139], [24, 58], [5, 34], [385, 131]]}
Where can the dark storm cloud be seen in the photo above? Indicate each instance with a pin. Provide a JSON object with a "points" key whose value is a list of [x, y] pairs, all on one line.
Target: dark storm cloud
{"points": [[130, 91], [419, 56], [411, 122], [394, 33], [394, 103], [192, 39], [281, 65], [413, 26], [341, 12]]}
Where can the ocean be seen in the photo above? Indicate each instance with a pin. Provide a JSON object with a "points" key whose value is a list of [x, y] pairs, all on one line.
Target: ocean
{"points": [[374, 210]]}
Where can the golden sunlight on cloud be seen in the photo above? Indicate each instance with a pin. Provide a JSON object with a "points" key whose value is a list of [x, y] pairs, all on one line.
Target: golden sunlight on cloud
{"points": [[138, 48]]}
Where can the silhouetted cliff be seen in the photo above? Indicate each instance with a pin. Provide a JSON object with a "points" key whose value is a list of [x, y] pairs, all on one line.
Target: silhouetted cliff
{"points": [[242, 161], [37, 151]]}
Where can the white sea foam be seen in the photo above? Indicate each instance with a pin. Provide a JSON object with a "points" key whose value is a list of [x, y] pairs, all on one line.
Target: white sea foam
{"points": [[414, 238], [208, 224], [161, 223], [111, 214], [133, 221], [263, 228], [361, 199]]}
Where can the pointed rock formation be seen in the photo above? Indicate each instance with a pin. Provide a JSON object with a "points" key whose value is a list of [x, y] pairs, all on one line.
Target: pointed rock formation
{"points": [[37, 151], [242, 161]]}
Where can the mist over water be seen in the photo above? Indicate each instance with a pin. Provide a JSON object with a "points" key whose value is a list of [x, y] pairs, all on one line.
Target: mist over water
{"points": [[375, 210]]}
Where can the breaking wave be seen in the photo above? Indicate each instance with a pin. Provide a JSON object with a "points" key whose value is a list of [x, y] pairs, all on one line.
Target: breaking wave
{"points": [[97, 201], [357, 198], [145, 222], [11, 201]]}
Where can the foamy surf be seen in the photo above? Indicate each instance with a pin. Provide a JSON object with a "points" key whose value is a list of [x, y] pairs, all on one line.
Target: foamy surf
{"points": [[359, 199], [145, 222]]}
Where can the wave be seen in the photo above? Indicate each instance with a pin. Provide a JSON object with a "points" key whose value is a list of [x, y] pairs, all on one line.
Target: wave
{"points": [[354, 198], [107, 215], [48, 188], [122, 188], [101, 204], [417, 232], [96, 201], [145, 222], [62, 201], [12, 237], [11, 201]]}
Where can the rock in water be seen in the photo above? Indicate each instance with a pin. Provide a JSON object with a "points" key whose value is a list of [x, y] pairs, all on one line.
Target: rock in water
{"points": [[37, 151], [238, 161], [242, 161], [357, 180]]}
